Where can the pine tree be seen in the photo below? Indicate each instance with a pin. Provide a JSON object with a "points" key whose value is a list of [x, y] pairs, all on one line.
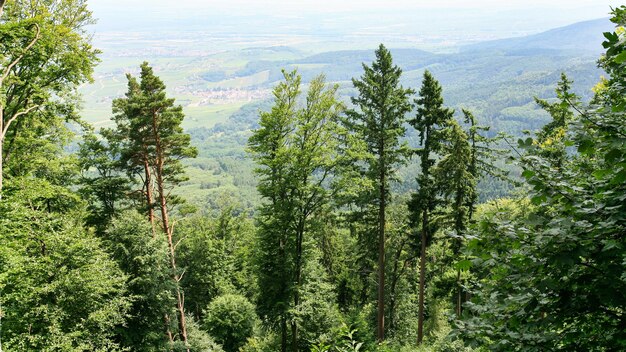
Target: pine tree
{"points": [[150, 124], [379, 121], [431, 119]]}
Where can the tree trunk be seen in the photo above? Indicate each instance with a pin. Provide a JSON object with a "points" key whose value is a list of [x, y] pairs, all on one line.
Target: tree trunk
{"points": [[395, 277], [296, 292], [180, 298], [170, 338], [420, 322], [283, 338], [459, 294], [380, 331], [149, 196]]}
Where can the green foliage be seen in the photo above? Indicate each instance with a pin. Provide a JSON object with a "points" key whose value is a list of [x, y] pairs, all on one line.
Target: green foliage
{"points": [[198, 340], [345, 342], [553, 276], [216, 256], [144, 260], [296, 150], [59, 290], [317, 313], [230, 319], [103, 186], [39, 94]]}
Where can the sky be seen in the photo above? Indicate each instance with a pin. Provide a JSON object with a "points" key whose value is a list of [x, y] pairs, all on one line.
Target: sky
{"points": [[566, 8], [418, 23]]}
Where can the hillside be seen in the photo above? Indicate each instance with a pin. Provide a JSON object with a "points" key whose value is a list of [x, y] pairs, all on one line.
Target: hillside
{"points": [[579, 37], [223, 93]]}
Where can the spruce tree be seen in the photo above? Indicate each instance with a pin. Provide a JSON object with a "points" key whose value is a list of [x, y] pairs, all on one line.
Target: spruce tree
{"points": [[381, 107], [455, 166], [431, 119]]}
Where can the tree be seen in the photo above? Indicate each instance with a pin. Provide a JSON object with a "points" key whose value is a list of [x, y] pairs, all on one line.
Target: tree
{"points": [[459, 190], [150, 124], [382, 105], [550, 138], [216, 256], [104, 187], [45, 54], [144, 261], [230, 319], [431, 119], [296, 151], [552, 271], [59, 289]]}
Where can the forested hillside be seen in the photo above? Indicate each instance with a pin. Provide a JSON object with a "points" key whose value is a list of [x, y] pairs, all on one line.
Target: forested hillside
{"points": [[375, 200]]}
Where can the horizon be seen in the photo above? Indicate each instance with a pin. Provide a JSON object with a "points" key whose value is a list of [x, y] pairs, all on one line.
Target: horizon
{"points": [[319, 25]]}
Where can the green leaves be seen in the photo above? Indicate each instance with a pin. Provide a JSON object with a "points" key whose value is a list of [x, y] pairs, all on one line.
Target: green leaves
{"points": [[552, 279], [464, 264]]}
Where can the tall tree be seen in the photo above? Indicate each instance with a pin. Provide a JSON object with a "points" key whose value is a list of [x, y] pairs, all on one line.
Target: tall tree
{"points": [[431, 119], [296, 151], [150, 124], [137, 149], [455, 166], [269, 147], [45, 54], [382, 105]]}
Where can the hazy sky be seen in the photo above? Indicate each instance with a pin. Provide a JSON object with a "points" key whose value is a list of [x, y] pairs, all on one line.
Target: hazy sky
{"points": [[593, 8], [455, 21], [559, 12]]}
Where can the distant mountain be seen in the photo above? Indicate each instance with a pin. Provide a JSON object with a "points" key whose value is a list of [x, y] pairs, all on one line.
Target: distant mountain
{"points": [[582, 36]]}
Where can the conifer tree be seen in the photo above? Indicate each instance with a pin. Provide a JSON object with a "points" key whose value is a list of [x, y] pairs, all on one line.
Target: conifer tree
{"points": [[382, 104], [150, 124], [431, 119], [459, 190], [552, 135]]}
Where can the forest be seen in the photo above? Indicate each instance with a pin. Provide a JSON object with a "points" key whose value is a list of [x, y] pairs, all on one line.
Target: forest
{"points": [[382, 221]]}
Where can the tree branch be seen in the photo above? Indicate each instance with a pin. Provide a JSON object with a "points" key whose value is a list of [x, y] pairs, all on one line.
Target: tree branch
{"points": [[18, 114], [8, 69]]}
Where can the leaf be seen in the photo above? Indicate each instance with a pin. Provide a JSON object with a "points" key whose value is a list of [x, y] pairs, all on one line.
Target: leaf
{"points": [[585, 146], [619, 178], [620, 58], [527, 174], [463, 265], [537, 200], [612, 155], [600, 174]]}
